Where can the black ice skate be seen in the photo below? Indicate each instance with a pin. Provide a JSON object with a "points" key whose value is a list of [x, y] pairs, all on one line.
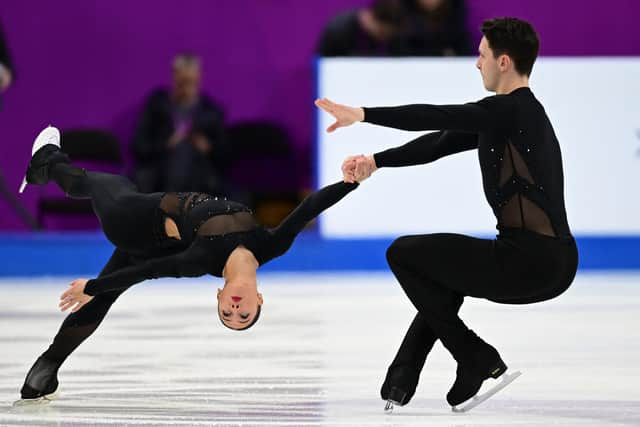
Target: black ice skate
{"points": [[41, 385], [485, 363], [399, 386], [44, 152]]}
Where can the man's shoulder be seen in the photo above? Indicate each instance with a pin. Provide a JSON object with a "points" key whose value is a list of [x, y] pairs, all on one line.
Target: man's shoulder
{"points": [[497, 103]]}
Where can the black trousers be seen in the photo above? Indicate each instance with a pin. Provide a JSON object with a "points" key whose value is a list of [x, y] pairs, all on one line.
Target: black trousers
{"points": [[80, 325], [126, 215], [437, 271]]}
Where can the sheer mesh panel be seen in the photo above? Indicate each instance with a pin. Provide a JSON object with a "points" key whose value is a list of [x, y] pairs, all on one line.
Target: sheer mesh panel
{"points": [[178, 203], [519, 211], [223, 224]]}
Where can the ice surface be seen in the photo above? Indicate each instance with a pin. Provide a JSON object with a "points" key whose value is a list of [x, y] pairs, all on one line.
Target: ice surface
{"points": [[318, 355]]}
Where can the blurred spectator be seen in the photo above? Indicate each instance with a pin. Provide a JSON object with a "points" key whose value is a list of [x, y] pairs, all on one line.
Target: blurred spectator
{"points": [[6, 77], [179, 144], [434, 28], [363, 32], [6, 68]]}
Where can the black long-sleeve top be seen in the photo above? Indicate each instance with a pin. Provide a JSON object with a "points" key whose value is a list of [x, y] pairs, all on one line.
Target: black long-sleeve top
{"points": [[210, 229], [519, 153]]}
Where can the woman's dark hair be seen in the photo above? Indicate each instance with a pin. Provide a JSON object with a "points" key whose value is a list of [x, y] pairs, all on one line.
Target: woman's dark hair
{"points": [[515, 38], [255, 319]]}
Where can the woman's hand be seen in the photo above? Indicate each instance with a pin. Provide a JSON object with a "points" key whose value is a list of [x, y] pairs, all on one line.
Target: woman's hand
{"points": [[358, 168], [349, 168], [75, 296], [344, 115]]}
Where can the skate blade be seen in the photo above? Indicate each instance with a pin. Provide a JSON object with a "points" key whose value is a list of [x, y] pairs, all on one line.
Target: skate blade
{"points": [[506, 379], [23, 185], [388, 408], [37, 402]]}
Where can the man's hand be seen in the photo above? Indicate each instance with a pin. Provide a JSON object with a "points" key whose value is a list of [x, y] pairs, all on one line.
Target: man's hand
{"points": [[365, 166], [74, 296], [358, 168], [344, 115]]}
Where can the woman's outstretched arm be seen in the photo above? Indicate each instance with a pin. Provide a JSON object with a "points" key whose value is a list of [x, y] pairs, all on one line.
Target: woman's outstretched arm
{"points": [[189, 263], [310, 208]]}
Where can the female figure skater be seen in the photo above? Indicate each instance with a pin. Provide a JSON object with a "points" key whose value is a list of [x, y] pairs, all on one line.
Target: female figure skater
{"points": [[159, 235], [534, 257]]}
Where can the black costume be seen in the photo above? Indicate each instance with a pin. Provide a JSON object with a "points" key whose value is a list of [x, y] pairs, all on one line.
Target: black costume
{"points": [[210, 229], [534, 257]]}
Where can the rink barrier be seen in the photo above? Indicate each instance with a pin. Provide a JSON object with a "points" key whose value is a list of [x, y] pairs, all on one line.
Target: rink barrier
{"points": [[25, 254]]}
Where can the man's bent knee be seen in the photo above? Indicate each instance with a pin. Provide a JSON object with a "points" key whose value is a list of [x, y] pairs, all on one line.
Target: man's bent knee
{"points": [[398, 250]]}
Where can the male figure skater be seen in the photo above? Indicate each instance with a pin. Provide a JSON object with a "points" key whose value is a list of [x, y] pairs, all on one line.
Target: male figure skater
{"points": [[533, 258]]}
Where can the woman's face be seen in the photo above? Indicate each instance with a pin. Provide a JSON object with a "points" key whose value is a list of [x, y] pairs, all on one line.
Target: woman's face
{"points": [[238, 304]]}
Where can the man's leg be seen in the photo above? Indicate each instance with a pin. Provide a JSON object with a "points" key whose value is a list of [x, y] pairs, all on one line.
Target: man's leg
{"points": [[436, 272], [404, 372], [411, 259]]}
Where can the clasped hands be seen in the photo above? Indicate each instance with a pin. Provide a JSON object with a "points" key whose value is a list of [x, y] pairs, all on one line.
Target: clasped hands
{"points": [[358, 168]]}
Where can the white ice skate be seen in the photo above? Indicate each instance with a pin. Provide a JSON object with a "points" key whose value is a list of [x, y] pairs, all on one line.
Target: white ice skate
{"points": [[505, 379], [38, 401], [49, 135]]}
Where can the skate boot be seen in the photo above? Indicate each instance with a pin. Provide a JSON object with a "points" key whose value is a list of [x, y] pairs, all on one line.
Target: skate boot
{"points": [[44, 153], [41, 385], [399, 386], [484, 363]]}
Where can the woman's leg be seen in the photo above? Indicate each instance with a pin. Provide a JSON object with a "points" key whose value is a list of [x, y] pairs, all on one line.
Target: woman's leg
{"points": [[126, 215], [78, 183], [42, 378]]}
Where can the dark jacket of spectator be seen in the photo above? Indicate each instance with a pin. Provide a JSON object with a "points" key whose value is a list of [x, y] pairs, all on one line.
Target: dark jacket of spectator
{"points": [[363, 32], [437, 30], [160, 121]]}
